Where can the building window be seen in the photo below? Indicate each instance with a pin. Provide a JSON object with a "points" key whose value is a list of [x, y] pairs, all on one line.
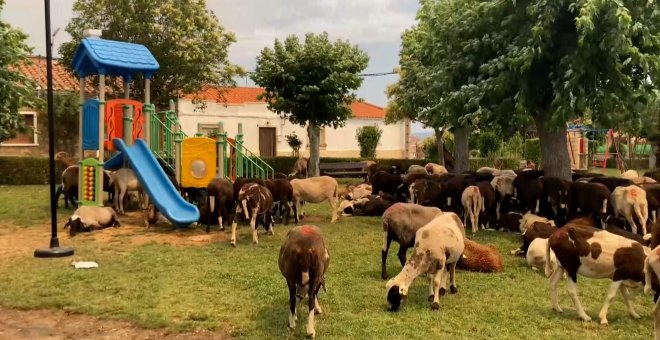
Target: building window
{"points": [[208, 129], [29, 137]]}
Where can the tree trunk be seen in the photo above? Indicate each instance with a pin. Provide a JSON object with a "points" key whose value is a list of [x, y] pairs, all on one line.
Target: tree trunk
{"points": [[440, 144], [462, 153], [554, 149], [655, 154], [314, 134]]}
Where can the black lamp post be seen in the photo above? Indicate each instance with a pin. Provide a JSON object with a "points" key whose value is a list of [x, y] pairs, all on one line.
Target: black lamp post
{"points": [[55, 250]]}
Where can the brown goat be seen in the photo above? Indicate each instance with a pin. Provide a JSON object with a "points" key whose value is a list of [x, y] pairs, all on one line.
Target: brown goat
{"points": [[303, 261]]}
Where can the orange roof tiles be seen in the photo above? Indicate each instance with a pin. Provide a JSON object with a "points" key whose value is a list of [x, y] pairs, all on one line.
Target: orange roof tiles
{"points": [[62, 79], [367, 110], [245, 95]]}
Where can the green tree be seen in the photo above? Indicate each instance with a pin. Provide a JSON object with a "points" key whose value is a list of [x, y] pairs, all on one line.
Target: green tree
{"points": [[16, 91], [67, 114], [311, 83], [187, 40], [368, 138], [551, 60]]}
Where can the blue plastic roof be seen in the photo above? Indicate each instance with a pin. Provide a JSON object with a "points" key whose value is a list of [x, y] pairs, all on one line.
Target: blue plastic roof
{"points": [[116, 58]]}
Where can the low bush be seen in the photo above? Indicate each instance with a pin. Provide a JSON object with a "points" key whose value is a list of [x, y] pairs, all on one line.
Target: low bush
{"points": [[27, 170]]}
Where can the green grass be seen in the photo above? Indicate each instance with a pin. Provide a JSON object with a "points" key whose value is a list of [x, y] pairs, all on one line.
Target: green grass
{"points": [[25, 205], [209, 286]]}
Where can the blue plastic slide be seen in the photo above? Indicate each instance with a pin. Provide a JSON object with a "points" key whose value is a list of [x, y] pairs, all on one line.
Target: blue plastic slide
{"points": [[115, 162], [162, 192]]}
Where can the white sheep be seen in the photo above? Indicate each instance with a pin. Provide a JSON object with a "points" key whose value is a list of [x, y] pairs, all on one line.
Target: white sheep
{"points": [[438, 247], [90, 217], [536, 254]]}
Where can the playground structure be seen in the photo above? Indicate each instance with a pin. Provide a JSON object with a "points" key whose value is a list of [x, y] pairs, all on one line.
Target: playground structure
{"points": [[582, 155], [151, 143]]}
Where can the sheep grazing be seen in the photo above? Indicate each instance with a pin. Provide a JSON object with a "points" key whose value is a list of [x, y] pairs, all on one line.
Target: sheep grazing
{"points": [[589, 198], [629, 200], [510, 221], [303, 261], [528, 220], [89, 217], [125, 180], [282, 192], [438, 247], [435, 169], [300, 167], [486, 169], [70, 178], [416, 169], [536, 230], [536, 255], [316, 190], [375, 206], [651, 279], [400, 223], [473, 205], [358, 191], [480, 258], [219, 201], [630, 174], [598, 254], [256, 201]]}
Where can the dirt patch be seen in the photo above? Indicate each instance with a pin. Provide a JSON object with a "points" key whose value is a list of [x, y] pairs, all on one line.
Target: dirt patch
{"points": [[21, 241], [55, 325], [18, 241]]}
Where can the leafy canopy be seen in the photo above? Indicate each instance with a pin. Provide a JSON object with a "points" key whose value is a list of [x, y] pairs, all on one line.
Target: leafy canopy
{"points": [[187, 40], [554, 60], [16, 91], [66, 111], [311, 81]]}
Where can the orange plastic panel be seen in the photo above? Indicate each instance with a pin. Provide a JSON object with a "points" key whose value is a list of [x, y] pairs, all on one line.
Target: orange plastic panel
{"points": [[114, 120]]}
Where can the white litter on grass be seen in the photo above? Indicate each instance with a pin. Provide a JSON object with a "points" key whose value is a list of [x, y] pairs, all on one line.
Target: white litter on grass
{"points": [[84, 264]]}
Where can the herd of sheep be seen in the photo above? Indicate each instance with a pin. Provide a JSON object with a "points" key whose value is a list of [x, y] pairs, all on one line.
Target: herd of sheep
{"points": [[595, 226]]}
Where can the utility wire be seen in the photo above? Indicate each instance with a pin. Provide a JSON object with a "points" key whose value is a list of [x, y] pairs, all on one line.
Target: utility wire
{"points": [[377, 74]]}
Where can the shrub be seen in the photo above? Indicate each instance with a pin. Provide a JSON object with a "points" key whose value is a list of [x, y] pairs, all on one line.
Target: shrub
{"points": [[488, 142], [27, 170], [430, 148], [368, 137], [533, 151], [294, 142]]}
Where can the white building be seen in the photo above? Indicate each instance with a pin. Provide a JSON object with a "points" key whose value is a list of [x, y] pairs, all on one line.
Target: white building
{"points": [[264, 131]]}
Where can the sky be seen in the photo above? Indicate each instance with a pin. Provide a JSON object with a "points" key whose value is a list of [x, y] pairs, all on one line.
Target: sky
{"points": [[374, 25]]}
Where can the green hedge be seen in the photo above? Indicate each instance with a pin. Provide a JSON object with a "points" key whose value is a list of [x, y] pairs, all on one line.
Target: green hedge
{"points": [[27, 170], [285, 164], [638, 163]]}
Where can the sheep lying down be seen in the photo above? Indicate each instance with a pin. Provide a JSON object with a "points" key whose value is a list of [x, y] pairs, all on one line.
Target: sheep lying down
{"points": [[87, 218]]}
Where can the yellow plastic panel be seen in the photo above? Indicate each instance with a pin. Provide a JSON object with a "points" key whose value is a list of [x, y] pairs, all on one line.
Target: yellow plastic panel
{"points": [[198, 160]]}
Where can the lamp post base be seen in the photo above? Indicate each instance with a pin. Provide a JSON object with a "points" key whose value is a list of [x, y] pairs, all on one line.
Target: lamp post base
{"points": [[54, 251]]}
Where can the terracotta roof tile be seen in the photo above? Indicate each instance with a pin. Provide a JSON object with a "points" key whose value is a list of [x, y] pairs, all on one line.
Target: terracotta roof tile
{"points": [[62, 79], [246, 95]]}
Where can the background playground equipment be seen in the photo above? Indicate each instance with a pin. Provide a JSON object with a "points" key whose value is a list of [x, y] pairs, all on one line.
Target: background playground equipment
{"points": [[586, 149], [193, 160], [96, 56], [203, 158]]}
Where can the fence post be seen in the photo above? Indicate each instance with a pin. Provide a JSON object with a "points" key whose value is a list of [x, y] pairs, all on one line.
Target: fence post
{"points": [[178, 138], [222, 151], [128, 128], [239, 151]]}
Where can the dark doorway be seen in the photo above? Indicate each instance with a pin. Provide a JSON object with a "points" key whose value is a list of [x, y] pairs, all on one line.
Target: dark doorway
{"points": [[267, 142]]}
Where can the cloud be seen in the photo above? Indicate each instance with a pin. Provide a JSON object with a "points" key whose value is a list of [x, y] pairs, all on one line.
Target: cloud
{"points": [[257, 23], [374, 25]]}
